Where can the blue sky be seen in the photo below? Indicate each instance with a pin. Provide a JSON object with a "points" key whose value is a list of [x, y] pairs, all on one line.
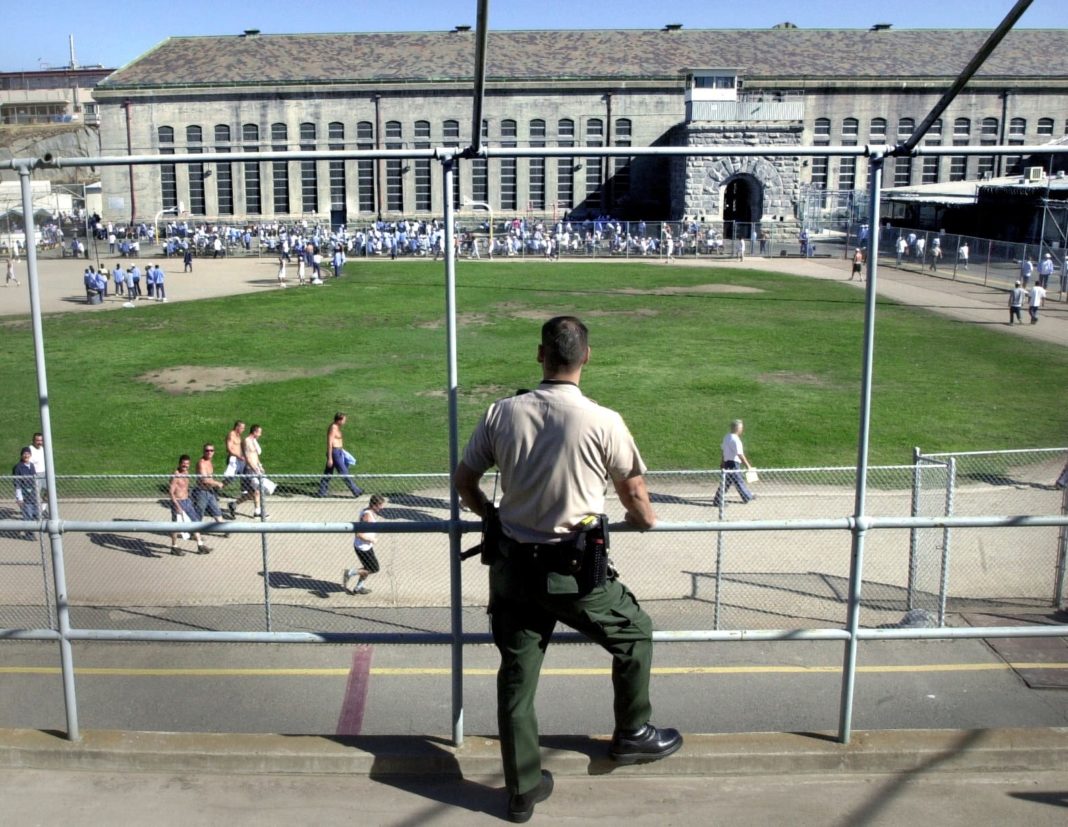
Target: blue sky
{"points": [[114, 33]]}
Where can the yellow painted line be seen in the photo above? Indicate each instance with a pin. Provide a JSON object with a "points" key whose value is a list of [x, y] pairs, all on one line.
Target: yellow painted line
{"points": [[416, 671]]}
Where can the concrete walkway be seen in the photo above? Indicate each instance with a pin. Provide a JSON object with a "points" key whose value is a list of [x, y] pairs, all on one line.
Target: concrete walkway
{"points": [[808, 780], [969, 302]]}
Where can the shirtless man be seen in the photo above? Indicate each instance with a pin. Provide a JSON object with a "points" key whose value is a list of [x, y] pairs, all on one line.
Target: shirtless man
{"points": [[205, 495], [182, 504], [235, 458], [250, 483], [336, 461]]}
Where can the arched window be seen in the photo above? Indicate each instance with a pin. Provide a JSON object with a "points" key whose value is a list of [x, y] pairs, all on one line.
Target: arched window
{"points": [[250, 132], [1045, 126], [222, 134], [165, 134], [962, 128], [905, 128], [279, 135], [989, 130], [307, 133], [194, 135], [821, 131], [1017, 128], [878, 128], [850, 130]]}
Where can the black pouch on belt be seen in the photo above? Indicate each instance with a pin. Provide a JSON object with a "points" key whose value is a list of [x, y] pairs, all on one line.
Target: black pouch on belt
{"points": [[591, 547]]}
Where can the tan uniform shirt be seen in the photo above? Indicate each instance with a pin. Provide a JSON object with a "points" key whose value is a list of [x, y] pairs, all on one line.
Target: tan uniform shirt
{"points": [[556, 451]]}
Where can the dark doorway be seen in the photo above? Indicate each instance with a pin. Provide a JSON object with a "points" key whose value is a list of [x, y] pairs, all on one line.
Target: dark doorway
{"points": [[743, 204], [337, 218]]}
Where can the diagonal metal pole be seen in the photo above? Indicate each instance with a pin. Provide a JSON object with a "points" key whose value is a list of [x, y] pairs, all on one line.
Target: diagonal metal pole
{"points": [[481, 39]]}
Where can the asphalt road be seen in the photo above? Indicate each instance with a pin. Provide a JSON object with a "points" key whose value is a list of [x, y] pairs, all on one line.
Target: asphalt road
{"points": [[403, 690]]}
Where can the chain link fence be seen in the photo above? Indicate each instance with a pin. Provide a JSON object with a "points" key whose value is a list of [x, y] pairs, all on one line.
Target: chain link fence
{"points": [[968, 258], [687, 580]]}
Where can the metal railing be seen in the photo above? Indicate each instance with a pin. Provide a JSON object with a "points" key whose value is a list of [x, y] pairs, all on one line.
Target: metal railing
{"points": [[703, 574], [862, 527]]}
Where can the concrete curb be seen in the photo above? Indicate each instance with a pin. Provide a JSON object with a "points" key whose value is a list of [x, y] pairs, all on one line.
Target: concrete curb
{"points": [[885, 751]]}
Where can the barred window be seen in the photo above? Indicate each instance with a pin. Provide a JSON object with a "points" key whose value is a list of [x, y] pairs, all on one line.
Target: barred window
{"points": [[509, 196], [365, 167], [877, 129], [821, 133], [451, 133], [250, 134], [594, 176], [309, 176], [394, 168], [850, 130], [422, 167], [280, 169], [902, 172], [336, 135], [536, 168], [621, 166], [193, 137], [168, 176], [565, 167], [905, 128], [480, 173]]}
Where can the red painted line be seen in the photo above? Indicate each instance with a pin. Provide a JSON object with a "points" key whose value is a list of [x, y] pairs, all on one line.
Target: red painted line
{"points": [[350, 722]]}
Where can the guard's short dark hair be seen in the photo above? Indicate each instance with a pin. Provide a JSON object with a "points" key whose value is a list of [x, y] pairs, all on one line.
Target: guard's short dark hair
{"points": [[564, 341], [339, 416]]}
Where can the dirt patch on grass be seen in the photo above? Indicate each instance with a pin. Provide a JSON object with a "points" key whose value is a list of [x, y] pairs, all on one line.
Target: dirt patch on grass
{"points": [[198, 379], [478, 391], [786, 377], [693, 288]]}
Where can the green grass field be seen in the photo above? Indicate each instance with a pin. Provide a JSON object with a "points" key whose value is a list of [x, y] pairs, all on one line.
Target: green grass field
{"points": [[679, 351]]}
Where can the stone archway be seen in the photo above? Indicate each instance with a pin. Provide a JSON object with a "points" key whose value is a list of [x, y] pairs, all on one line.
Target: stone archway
{"points": [[743, 206]]}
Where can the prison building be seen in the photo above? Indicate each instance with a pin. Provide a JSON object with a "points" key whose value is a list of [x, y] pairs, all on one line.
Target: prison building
{"points": [[672, 87]]}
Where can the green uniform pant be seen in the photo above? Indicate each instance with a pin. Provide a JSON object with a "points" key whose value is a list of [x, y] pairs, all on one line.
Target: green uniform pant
{"points": [[523, 617]]}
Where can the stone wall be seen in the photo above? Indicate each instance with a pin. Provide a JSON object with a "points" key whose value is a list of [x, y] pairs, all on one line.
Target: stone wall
{"points": [[698, 183]]}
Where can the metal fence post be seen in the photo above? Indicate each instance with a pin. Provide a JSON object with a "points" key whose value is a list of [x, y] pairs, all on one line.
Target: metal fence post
{"points": [[721, 544], [1062, 556], [914, 534], [266, 556], [947, 533], [59, 574], [986, 268], [856, 562], [456, 622]]}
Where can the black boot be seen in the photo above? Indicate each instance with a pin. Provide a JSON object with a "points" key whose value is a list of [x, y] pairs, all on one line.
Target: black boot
{"points": [[644, 745], [521, 805]]}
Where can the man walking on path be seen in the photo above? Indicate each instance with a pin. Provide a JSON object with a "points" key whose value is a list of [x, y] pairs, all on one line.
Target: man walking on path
{"points": [[1016, 299], [1045, 270], [1036, 297], [182, 506], [732, 451], [337, 459]]}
